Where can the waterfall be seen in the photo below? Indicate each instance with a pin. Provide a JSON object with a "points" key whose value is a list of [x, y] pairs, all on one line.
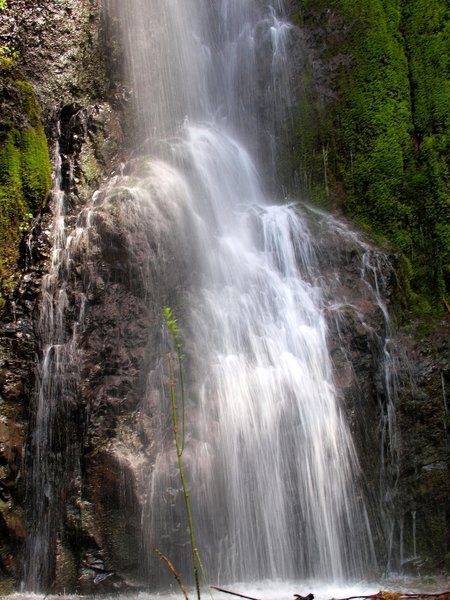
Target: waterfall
{"points": [[53, 439], [272, 467], [276, 486]]}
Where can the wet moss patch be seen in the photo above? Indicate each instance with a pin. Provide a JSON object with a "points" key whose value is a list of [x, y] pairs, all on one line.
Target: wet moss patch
{"points": [[381, 148], [25, 172]]}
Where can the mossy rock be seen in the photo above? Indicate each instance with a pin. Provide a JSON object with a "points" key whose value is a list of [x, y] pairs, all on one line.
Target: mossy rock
{"points": [[25, 174], [386, 136], [35, 167]]}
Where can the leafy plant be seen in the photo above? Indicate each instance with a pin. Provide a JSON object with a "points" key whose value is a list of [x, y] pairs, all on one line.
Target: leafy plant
{"points": [[8, 57]]}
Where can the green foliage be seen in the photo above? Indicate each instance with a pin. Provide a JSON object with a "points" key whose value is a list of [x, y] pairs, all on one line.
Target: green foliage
{"points": [[2, 4], [8, 57], [387, 141]]}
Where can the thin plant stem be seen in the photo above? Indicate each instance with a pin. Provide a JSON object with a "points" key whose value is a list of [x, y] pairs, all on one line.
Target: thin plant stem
{"points": [[184, 486], [203, 572], [172, 570], [174, 331], [183, 412]]}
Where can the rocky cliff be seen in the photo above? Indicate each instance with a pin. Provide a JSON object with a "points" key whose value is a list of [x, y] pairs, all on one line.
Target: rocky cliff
{"points": [[362, 102], [56, 98]]}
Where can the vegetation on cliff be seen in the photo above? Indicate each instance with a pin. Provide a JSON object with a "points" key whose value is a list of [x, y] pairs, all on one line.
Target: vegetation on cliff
{"points": [[385, 148], [25, 170], [378, 148]]}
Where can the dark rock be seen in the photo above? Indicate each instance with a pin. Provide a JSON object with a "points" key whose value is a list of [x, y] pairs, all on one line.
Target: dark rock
{"points": [[60, 49]]}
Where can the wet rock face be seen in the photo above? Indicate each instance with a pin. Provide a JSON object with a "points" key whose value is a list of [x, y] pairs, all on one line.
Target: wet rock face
{"points": [[60, 48], [116, 344], [393, 385], [17, 350], [360, 281], [424, 484], [89, 138]]}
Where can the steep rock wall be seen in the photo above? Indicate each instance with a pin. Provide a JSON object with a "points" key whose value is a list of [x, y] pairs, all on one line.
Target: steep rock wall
{"points": [[55, 83]]}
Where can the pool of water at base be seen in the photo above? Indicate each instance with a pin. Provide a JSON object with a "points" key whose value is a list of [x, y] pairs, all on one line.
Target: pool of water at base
{"points": [[269, 590]]}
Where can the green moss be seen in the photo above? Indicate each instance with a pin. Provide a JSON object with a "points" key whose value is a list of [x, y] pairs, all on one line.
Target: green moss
{"points": [[376, 123], [35, 167], [27, 102], [8, 58], [12, 203], [426, 29], [25, 179], [387, 140], [88, 163], [10, 161]]}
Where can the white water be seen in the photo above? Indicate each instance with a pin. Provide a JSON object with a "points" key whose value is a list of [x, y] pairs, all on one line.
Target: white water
{"points": [[271, 463], [272, 468], [263, 590], [51, 448], [269, 590]]}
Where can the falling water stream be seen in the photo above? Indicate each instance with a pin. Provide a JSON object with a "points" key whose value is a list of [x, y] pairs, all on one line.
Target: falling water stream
{"points": [[52, 444], [272, 466]]}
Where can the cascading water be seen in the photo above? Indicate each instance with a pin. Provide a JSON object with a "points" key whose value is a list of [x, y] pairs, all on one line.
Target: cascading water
{"points": [[271, 461], [272, 467], [52, 442], [274, 477]]}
